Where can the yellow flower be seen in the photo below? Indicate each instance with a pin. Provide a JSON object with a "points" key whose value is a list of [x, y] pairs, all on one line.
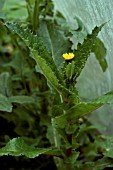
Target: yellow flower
{"points": [[68, 56]]}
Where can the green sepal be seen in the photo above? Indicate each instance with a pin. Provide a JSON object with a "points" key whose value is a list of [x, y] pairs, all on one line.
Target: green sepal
{"points": [[70, 70]]}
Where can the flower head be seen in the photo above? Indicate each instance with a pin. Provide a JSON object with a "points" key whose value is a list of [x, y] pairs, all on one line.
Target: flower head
{"points": [[68, 56]]}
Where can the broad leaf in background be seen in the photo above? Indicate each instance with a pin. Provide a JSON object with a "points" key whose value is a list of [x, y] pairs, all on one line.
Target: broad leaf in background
{"points": [[1, 4], [100, 53], [79, 34], [15, 10], [5, 104], [55, 40]]}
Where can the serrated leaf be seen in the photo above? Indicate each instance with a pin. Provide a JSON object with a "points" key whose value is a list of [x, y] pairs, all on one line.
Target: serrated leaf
{"points": [[22, 99], [105, 99], [74, 113], [83, 50], [49, 74], [5, 84], [18, 147], [81, 109], [35, 43], [5, 104]]}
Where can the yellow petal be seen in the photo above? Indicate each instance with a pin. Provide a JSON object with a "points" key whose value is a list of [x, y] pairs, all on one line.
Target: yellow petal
{"points": [[68, 56]]}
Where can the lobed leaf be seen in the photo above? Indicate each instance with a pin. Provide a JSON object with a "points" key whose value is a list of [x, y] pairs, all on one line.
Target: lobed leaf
{"points": [[83, 50], [18, 147]]}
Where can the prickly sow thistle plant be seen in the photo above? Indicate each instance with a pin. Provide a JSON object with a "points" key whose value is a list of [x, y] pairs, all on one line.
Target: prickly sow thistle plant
{"points": [[68, 146]]}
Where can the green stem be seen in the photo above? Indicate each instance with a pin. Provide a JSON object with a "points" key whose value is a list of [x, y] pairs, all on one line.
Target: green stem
{"points": [[36, 15], [29, 10], [57, 145]]}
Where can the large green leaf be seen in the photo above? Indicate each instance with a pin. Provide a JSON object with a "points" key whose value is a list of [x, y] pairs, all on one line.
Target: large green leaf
{"points": [[74, 113], [42, 57], [18, 147], [83, 50], [82, 109], [49, 74], [5, 104], [35, 43]]}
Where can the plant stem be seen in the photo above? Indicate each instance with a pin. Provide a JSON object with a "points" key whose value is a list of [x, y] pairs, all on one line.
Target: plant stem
{"points": [[29, 10], [57, 145], [36, 15]]}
